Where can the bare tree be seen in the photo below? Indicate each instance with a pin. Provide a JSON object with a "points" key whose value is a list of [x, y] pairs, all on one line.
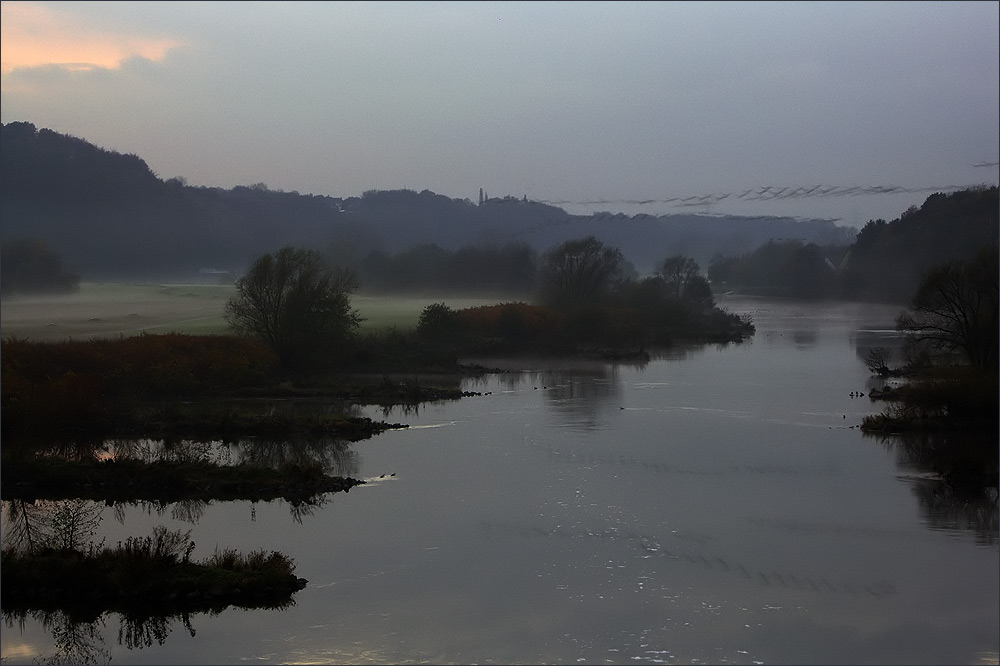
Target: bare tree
{"points": [[579, 271], [877, 360], [955, 309], [297, 304], [678, 272]]}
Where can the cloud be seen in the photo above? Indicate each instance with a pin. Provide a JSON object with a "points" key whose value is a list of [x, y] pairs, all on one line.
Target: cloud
{"points": [[34, 35], [646, 106]]}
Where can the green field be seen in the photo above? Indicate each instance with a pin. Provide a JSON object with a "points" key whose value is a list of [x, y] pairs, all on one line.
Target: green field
{"points": [[111, 310]]}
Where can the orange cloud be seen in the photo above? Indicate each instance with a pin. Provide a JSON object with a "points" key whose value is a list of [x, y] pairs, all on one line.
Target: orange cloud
{"points": [[34, 35]]}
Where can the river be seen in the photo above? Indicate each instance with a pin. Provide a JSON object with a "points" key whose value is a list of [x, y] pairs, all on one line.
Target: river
{"points": [[718, 504]]}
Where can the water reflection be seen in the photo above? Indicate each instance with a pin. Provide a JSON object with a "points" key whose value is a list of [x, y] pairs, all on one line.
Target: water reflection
{"points": [[946, 507], [804, 339], [192, 511], [80, 639], [73, 641], [747, 533], [30, 526], [71, 449], [949, 497], [335, 456], [579, 399], [866, 340], [576, 390]]}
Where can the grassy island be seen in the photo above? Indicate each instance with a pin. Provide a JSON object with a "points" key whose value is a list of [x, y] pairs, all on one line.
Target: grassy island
{"points": [[151, 575], [164, 481]]}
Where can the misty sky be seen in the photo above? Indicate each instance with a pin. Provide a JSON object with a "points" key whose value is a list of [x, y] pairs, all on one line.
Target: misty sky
{"points": [[561, 102]]}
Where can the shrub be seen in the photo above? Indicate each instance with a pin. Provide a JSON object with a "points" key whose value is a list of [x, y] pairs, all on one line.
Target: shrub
{"points": [[53, 384]]}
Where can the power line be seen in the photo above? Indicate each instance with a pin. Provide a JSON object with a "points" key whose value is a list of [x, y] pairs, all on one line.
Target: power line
{"points": [[769, 193]]}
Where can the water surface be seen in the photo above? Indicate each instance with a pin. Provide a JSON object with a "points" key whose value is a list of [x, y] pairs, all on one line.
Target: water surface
{"points": [[716, 505]]}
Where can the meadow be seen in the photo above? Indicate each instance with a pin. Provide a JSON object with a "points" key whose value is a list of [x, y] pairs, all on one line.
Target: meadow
{"points": [[113, 310]]}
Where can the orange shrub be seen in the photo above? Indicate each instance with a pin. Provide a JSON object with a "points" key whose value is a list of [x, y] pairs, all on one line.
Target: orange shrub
{"points": [[516, 325], [46, 383]]}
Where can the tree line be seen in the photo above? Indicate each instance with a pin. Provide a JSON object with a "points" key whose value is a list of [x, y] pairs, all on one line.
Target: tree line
{"points": [[109, 216], [509, 269], [30, 266], [298, 303], [886, 261]]}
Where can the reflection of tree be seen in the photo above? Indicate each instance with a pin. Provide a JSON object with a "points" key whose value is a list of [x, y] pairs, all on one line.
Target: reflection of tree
{"points": [[300, 510], [804, 338], [75, 642], [155, 450], [948, 507], [60, 524], [335, 456], [189, 511], [514, 380], [186, 450], [582, 392], [27, 526], [137, 632], [192, 511], [404, 409], [890, 345], [73, 449], [948, 500], [81, 641], [683, 352]]}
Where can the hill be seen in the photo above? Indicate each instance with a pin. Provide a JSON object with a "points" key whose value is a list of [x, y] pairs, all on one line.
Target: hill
{"points": [[888, 259], [108, 216], [886, 262]]}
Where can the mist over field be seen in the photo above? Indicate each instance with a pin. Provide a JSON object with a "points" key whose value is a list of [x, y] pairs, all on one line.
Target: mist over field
{"points": [[112, 310]]}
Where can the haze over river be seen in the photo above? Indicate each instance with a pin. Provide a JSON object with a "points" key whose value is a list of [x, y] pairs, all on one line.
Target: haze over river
{"points": [[717, 505]]}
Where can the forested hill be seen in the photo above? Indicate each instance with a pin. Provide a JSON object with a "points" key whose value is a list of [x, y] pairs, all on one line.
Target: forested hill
{"points": [[888, 259], [109, 216]]}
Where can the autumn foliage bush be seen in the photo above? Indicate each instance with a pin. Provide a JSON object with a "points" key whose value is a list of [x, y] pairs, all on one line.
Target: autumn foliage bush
{"points": [[520, 327], [55, 383], [513, 326]]}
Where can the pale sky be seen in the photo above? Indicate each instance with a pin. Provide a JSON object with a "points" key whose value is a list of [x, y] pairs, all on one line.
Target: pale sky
{"points": [[562, 102]]}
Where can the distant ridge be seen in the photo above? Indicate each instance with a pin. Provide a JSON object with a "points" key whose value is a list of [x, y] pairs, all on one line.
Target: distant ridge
{"points": [[109, 216]]}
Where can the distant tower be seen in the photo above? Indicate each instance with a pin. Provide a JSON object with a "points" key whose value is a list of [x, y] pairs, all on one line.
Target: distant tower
{"points": [[480, 196]]}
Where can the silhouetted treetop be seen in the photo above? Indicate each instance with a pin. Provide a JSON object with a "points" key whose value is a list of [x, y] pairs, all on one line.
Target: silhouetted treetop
{"points": [[889, 258]]}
